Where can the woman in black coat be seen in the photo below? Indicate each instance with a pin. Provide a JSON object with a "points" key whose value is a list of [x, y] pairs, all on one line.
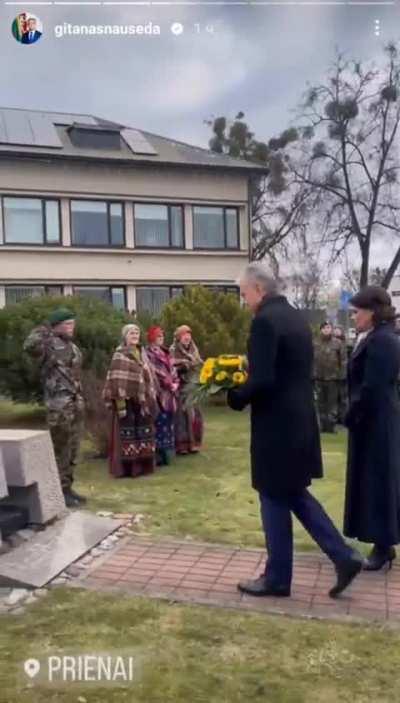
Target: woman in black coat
{"points": [[372, 505]]}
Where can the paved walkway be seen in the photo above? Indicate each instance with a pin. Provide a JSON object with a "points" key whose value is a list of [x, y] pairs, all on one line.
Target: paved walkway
{"points": [[208, 574]]}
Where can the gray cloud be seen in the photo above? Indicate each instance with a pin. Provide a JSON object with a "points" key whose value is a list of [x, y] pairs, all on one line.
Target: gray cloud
{"points": [[258, 60]]}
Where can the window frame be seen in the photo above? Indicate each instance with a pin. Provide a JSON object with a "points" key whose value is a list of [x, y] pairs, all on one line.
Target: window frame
{"points": [[169, 287], [224, 209], [43, 201], [224, 289], [108, 203], [109, 289], [45, 286], [170, 247]]}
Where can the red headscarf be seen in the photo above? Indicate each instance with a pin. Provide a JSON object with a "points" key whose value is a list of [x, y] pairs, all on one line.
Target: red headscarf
{"points": [[153, 333]]}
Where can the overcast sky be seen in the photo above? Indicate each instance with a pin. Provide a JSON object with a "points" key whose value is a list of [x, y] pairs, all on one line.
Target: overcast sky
{"points": [[258, 60]]}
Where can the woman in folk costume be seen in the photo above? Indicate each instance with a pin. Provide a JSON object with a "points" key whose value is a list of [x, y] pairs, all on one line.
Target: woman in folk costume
{"points": [[168, 385], [130, 392], [188, 421]]}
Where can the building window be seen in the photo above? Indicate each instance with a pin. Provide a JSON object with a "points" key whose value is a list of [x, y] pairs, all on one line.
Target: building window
{"points": [[152, 299], [225, 289], [14, 294], [31, 221], [159, 226], [215, 228], [114, 295], [97, 224]]}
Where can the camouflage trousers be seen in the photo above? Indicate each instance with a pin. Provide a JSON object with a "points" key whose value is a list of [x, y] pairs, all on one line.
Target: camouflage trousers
{"points": [[327, 401], [66, 426]]}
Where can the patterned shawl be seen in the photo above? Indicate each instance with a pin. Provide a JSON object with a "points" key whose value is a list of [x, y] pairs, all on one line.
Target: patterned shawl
{"points": [[186, 359], [167, 376], [130, 377], [189, 354]]}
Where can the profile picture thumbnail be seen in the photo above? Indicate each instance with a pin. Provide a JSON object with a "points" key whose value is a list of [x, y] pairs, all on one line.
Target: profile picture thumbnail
{"points": [[27, 28]]}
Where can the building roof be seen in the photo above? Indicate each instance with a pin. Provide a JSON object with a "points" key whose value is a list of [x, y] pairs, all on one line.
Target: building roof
{"points": [[33, 133]]}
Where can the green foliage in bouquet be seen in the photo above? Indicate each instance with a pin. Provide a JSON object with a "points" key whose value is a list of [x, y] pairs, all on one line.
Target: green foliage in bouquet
{"points": [[217, 375]]}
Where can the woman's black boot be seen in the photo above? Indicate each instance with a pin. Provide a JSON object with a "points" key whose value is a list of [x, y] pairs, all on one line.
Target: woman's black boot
{"points": [[380, 558]]}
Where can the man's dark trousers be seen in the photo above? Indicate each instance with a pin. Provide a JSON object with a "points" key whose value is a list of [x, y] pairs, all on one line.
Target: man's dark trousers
{"points": [[276, 515]]}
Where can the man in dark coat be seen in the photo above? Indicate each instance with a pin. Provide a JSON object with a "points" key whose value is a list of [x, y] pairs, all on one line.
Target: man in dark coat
{"points": [[372, 507], [285, 441]]}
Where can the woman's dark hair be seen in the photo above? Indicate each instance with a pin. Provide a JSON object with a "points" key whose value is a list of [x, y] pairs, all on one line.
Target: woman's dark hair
{"points": [[377, 300]]}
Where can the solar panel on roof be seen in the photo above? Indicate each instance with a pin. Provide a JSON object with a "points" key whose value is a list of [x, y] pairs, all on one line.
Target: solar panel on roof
{"points": [[44, 131], [17, 127], [137, 142], [24, 128]]}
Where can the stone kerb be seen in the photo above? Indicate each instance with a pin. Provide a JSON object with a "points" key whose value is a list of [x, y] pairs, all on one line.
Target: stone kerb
{"points": [[31, 474]]}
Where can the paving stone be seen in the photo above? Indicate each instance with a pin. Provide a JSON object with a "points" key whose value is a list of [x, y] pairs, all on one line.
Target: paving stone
{"points": [[149, 568], [96, 552], [26, 534], [31, 599], [60, 581], [87, 560], [16, 596], [40, 592]]}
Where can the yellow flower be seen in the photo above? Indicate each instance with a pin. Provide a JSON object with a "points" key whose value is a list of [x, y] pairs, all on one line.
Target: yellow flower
{"points": [[229, 361], [221, 376], [209, 364], [205, 375], [239, 377]]}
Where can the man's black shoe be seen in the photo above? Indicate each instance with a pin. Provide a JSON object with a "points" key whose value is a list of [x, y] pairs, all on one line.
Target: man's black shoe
{"points": [[261, 587], [70, 500], [79, 498], [346, 572]]}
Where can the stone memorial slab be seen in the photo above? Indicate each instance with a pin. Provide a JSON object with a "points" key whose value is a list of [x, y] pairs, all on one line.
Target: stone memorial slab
{"points": [[31, 473], [51, 551]]}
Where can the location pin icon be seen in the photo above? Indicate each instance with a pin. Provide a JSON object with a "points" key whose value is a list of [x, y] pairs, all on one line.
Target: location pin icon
{"points": [[32, 668]]}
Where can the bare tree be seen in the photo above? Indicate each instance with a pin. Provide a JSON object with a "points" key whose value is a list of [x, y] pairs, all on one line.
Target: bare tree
{"points": [[278, 204], [349, 157]]}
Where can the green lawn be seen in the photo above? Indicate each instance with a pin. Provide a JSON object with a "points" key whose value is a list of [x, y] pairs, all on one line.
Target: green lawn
{"points": [[206, 497], [198, 654]]}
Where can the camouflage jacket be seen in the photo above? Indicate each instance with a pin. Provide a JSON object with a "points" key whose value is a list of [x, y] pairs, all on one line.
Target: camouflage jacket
{"points": [[330, 360], [60, 365]]}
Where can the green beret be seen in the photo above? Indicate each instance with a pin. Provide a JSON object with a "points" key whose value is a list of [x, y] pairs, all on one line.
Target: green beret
{"points": [[60, 315]]}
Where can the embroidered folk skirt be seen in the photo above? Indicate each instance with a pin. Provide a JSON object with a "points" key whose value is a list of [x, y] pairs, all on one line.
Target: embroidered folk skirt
{"points": [[165, 437], [133, 446], [188, 429]]}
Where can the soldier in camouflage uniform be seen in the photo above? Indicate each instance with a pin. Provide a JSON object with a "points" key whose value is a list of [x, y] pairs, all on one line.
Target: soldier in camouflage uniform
{"points": [[60, 361], [339, 333], [329, 373]]}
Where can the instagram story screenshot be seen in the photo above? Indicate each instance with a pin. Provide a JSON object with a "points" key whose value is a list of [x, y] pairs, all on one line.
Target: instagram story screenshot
{"points": [[199, 351]]}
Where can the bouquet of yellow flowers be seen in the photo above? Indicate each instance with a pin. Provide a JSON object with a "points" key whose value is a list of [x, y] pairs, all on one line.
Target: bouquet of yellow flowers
{"points": [[219, 374]]}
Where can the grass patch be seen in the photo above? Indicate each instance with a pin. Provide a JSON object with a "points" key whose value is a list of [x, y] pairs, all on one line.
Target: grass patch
{"points": [[200, 654], [206, 497]]}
